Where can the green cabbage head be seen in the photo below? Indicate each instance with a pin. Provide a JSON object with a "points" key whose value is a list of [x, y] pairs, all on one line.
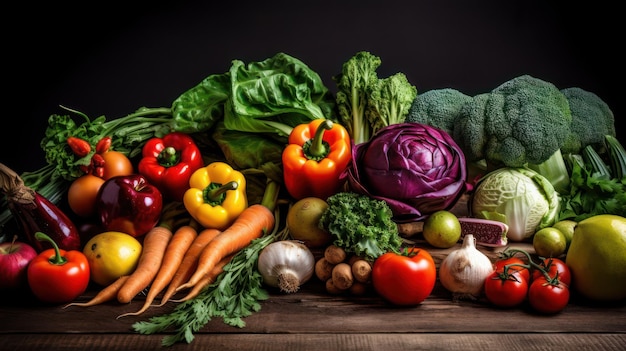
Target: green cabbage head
{"points": [[520, 197]]}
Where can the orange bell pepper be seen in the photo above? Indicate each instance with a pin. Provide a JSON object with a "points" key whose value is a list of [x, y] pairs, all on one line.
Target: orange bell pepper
{"points": [[315, 158]]}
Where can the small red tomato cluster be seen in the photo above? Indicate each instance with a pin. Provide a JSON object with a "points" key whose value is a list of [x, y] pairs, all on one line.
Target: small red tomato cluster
{"points": [[514, 280]]}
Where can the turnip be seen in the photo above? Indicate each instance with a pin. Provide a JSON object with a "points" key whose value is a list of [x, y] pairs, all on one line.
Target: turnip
{"points": [[302, 222]]}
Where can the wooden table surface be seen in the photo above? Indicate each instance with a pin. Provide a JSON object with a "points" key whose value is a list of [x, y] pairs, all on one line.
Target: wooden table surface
{"points": [[312, 319]]}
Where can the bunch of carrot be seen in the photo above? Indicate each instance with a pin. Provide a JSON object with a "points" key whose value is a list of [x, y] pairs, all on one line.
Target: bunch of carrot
{"points": [[184, 259]]}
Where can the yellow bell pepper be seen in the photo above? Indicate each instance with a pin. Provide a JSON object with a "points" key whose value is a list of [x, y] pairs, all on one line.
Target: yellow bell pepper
{"points": [[216, 195]]}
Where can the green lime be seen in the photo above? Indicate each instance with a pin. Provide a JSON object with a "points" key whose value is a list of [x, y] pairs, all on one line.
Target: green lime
{"points": [[549, 242], [566, 227], [442, 229]]}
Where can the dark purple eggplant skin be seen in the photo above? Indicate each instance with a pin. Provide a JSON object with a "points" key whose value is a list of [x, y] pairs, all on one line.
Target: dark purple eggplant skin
{"points": [[41, 215]]}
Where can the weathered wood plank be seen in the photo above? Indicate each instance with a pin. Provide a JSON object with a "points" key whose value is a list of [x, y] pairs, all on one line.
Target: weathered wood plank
{"points": [[311, 310], [320, 341]]}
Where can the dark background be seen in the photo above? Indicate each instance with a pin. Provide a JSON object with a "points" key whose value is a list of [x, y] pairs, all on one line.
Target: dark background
{"points": [[104, 58]]}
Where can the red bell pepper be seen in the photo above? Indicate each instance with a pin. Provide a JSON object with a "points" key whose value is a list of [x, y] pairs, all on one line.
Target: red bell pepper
{"points": [[168, 163], [317, 154], [58, 276]]}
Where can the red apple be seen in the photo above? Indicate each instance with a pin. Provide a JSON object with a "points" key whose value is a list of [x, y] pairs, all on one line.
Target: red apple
{"points": [[14, 259], [129, 204]]}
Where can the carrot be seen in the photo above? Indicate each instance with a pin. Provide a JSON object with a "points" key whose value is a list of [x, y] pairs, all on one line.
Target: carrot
{"points": [[251, 224], [207, 279], [154, 245], [189, 262], [108, 293], [178, 245]]}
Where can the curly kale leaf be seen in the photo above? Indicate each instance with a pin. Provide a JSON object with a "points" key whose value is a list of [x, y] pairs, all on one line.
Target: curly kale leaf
{"points": [[361, 225]]}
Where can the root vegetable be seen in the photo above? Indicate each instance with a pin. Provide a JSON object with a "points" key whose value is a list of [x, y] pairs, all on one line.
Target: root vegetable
{"points": [[353, 259], [331, 288], [335, 254], [251, 224], [358, 288], [361, 270], [189, 263], [108, 293], [154, 246], [323, 269], [342, 276]]}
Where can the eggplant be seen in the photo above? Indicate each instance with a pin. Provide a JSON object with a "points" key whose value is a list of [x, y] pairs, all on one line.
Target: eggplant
{"points": [[34, 213]]}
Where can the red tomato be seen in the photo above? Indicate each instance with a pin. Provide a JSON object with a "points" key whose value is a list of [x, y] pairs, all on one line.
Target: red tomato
{"points": [[505, 289], [515, 265], [404, 279], [116, 164], [548, 296], [552, 266]]}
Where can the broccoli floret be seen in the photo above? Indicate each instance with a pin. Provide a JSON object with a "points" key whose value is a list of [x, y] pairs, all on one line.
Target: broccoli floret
{"points": [[356, 79], [526, 121], [389, 101], [439, 108], [469, 128], [592, 119]]}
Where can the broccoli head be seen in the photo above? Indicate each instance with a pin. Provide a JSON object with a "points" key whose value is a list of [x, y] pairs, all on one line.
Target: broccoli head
{"points": [[439, 108], [592, 119], [524, 120]]}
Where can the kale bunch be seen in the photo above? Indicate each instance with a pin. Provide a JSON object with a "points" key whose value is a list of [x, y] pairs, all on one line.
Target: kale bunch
{"points": [[361, 225]]}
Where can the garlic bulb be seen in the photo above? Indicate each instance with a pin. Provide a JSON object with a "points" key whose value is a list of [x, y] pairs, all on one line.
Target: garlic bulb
{"points": [[286, 264], [463, 271]]}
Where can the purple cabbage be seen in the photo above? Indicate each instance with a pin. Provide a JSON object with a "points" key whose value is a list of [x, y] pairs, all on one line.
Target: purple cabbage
{"points": [[416, 168]]}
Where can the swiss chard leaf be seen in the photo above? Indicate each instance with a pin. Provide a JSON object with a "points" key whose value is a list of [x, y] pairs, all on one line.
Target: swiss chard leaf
{"points": [[274, 95]]}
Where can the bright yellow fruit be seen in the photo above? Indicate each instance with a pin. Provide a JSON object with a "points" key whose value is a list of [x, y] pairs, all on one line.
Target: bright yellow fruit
{"points": [[597, 257], [442, 229], [111, 255]]}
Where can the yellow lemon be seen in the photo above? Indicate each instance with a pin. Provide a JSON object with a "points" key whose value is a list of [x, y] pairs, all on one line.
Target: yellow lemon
{"points": [[597, 257], [111, 255], [442, 229]]}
